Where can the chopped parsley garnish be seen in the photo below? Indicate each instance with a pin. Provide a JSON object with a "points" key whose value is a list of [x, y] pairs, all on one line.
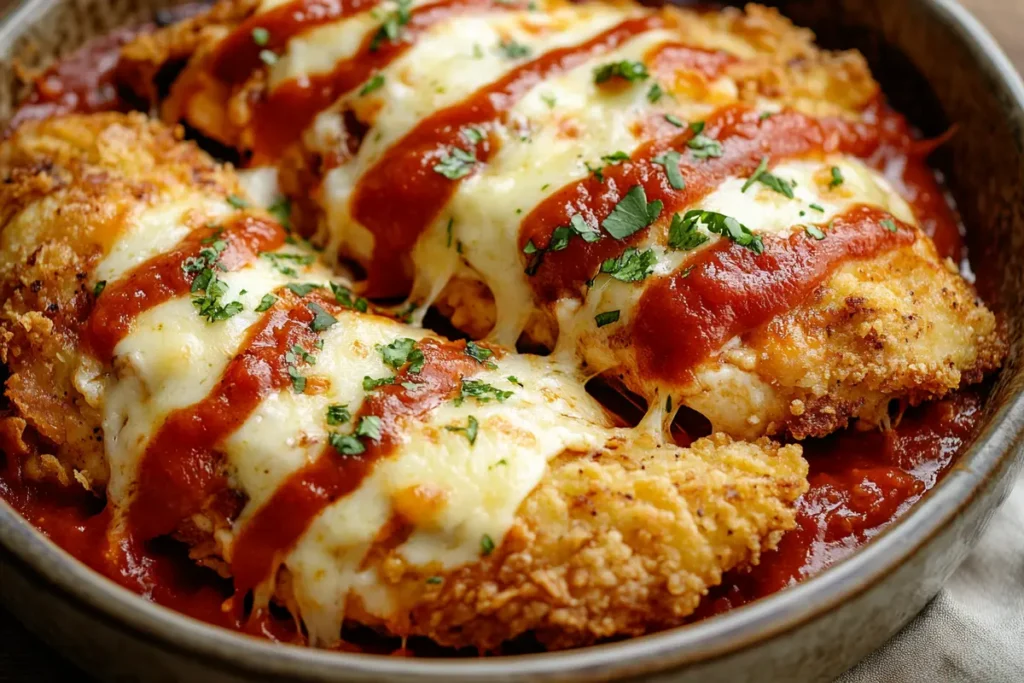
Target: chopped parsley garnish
{"points": [[670, 160], [266, 302], [98, 289], [346, 444], [514, 380], [626, 69], [632, 265], [369, 426], [392, 27], [585, 230], [260, 36], [343, 295], [817, 207], [455, 164], [761, 175], [674, 120], [283, 262], [615, 157], [402, 351], [473, 136], [549, 100], [322, 320], [513, 50], [298, 381], [481, 354], [405, 315], [371, 383], [209, 288], [765, 115], [481, 391], [267, 57], [631, 214], [338, 414], [237, 202], [486, 545], [837, 178], [683, 236], [727, 226], [606, 318], [448, 230], [434, 580], [470, 430], [302, 288], [376, 82], [701, 145], [889, 224], [654, 93], [814, 231], [281, 210]]}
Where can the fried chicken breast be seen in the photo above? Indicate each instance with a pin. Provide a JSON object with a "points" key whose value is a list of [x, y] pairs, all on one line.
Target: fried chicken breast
{"points": [[702, 206], [177, 350]]}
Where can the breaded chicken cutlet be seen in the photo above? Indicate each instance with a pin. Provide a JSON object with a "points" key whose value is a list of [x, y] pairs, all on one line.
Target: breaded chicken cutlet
{"points": [[690, 203], [175, 349]]}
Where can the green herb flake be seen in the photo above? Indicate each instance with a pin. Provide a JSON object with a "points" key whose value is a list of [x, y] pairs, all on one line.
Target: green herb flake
{"points": [[585, 230], [631, 266], [670, 161], [486, 545], [814, 231], [481, 391], [470, 430], [632, 214], [626, 69], [391, 29], [761, 175], [615, 157], [472, 135], [343, 295], [513, 50], [337, 414], [369, 427], [371, 383], [346, 444], [606, 318], [402, 351], [237, 202], [268, 57], [514, 380], [889, 224], [302, 288], [817, 207], [727, 226], [434, 580], [260, 36], [266, 302], [703, 147], [284, 262], [674, 120], [837, 178], [684, 236], [480, 354], [322, 320], [98, 289], [281, 210], [549, 100], [376, 82], [456, 163], [654, 93]]}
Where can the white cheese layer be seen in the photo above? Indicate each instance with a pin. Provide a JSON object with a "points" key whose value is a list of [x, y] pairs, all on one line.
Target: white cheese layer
{"points": [[173, 359]]}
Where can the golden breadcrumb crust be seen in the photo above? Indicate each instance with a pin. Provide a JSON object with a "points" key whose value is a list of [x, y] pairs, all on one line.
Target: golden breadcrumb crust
{"points": [[69, 186], [620, 543]]}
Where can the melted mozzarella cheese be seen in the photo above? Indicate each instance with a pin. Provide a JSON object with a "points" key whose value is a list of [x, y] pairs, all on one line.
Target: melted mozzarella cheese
{"points": [[172, 358]]}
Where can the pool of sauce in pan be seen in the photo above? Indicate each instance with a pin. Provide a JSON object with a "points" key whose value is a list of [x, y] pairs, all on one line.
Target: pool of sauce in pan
{"points": [[860, 482]]}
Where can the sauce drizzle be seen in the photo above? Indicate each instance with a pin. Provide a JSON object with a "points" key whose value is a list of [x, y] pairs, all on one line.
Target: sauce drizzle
{"points": [[278, 525], [402, 194]]}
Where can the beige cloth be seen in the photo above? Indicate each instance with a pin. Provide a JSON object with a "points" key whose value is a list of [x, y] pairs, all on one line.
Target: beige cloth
{"points": [[973, 631]]}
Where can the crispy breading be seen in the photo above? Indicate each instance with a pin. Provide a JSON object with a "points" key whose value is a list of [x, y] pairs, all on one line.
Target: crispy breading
{"points": [[620, 543], [69, 186]]}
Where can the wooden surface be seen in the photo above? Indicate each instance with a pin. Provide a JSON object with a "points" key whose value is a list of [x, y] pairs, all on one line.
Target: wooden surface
{"points": [[23, 659]]}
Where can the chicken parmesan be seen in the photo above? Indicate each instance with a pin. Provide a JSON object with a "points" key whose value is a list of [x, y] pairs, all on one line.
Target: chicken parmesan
{"points": [[233, 372], [701, 206]]}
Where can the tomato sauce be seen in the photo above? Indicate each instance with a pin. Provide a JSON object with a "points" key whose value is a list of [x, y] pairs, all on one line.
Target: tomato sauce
{"points": [[287, 110], [162, 278], [402, 194], [860, 482], [726, 290], [279, 523]]}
